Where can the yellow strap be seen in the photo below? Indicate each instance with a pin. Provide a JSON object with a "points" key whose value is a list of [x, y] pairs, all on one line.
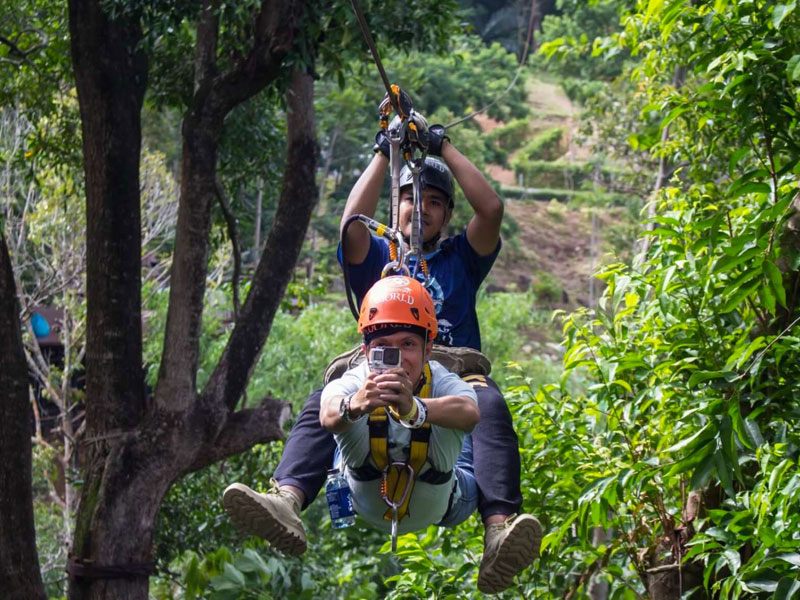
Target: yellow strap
{"points": [[378, 445], [397, 477]]}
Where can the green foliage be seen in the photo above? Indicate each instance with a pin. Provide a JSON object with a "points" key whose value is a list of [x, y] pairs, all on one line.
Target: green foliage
{"points": [[547, 287], [469, 77], [691, 353], [563, 174], [579, 34], [36, 75], [547, 146], [511, 135], [191, 517], [52, 528], [292, 366], [594, 197], [580, 91]]}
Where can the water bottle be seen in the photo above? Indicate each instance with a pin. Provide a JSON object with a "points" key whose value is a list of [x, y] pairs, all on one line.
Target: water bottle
{"points": [[339, 502]]}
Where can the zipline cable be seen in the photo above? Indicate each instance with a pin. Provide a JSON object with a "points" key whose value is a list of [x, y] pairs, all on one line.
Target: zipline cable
{"points": [[362, 23]]}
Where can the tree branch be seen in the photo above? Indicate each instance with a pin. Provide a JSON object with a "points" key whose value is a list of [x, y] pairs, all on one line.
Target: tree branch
{"points": [[298, 196], [244, 429], [205, 55], [276, 29], [233, 233]]}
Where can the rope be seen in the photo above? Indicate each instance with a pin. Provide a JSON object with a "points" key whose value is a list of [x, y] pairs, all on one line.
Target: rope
{"points": [[89, 570], [513, 81]]}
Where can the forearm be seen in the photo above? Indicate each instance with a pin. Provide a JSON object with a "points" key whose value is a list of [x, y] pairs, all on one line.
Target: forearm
{"points": [[366, 192], [478, 191], [329, 415], [455, 412], [363, 199]]}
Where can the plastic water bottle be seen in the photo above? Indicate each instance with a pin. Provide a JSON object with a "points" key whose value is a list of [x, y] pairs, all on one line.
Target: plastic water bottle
{"points": [[339, 502]]}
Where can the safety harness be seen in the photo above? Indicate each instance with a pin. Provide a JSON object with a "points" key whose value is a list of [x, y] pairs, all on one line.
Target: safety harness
{"points": [[398, 477]]}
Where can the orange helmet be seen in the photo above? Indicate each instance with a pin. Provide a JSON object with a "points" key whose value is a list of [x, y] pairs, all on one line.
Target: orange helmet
{"points": [[397, 300]]}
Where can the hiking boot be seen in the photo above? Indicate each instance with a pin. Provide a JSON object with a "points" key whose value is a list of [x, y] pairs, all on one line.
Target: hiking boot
{"points": [[508, 547], [274, 516]]}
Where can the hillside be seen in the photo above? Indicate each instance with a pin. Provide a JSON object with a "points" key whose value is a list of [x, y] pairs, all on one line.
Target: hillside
{"points": [[563, 232]]}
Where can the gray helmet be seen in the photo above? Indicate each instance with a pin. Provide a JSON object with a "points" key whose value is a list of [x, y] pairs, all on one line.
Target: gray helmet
{"points": [[434, 174]]}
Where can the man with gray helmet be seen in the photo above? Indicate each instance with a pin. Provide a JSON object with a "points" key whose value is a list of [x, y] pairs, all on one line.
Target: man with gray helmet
{"points": [[457, 267]]}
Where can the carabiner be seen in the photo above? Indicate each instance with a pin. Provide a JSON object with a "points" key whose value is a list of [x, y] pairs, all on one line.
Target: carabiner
{"points": [[394, 505], [395, 267]]}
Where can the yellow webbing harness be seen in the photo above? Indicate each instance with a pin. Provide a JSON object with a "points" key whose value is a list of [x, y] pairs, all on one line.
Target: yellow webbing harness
{"points": [[398, 480]]}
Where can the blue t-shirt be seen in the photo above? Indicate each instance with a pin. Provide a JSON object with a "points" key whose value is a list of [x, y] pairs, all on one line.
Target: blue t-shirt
{"points": [[457, 272]]}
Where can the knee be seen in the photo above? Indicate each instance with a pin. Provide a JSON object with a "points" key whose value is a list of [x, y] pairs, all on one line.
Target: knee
{"points": [[492, 405]]}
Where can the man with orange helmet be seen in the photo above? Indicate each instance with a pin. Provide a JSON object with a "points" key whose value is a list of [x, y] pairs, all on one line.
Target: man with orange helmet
{"points": [[398, 313]]}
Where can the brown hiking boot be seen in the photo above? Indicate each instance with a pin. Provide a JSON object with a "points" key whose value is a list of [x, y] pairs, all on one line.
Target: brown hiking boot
{"points": [[508, 547], [274, 516]]}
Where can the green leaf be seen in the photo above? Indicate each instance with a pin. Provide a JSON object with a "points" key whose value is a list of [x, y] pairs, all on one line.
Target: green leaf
{"points": [[673, 114], [735, 158], [777, 473], [728, 262], [793, 68], [760, 585], [623, 384], [233, 574], [706, 432], [733, 559], [780, 12], [700, 376], [776, 281], [702, 473], [739, 296], [728, 442], [653, 6], [787, 588], [724, 471], [753, 432], [792, 558], [754, 187], [767, 298], [251, 562]]}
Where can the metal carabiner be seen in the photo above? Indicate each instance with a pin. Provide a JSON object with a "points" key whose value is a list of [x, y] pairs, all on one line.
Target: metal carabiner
{"points": [[394, 505], [415, 166], [395, 153], [396, 267]]}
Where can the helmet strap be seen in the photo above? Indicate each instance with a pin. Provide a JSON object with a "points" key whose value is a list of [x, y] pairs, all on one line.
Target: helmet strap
{"points": [[422, 379]]}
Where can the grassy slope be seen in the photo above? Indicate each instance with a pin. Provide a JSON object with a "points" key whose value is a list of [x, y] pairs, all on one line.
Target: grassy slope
{"points": [[557, 247]]}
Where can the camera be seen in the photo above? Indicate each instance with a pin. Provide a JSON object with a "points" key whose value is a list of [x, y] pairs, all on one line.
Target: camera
{"points": [[382, 358]]}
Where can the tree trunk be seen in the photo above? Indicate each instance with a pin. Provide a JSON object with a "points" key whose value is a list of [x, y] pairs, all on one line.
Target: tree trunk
{"points": [[111, 77], [134, 450], [20, 577]]}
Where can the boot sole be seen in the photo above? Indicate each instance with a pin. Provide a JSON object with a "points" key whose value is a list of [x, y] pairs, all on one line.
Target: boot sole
{"points": [[250, 515], [517, 551]]}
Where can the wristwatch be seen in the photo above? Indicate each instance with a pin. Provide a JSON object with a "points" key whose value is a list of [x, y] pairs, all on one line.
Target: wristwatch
{"points": [[344, 409]]}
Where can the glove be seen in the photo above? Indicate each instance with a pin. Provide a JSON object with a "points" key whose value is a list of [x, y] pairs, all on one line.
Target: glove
{"points": [[418, 131], [436, 138], [382, 144]]}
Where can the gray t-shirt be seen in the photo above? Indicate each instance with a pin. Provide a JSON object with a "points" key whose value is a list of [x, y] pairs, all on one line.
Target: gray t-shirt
{"points": [[428, 502]]}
